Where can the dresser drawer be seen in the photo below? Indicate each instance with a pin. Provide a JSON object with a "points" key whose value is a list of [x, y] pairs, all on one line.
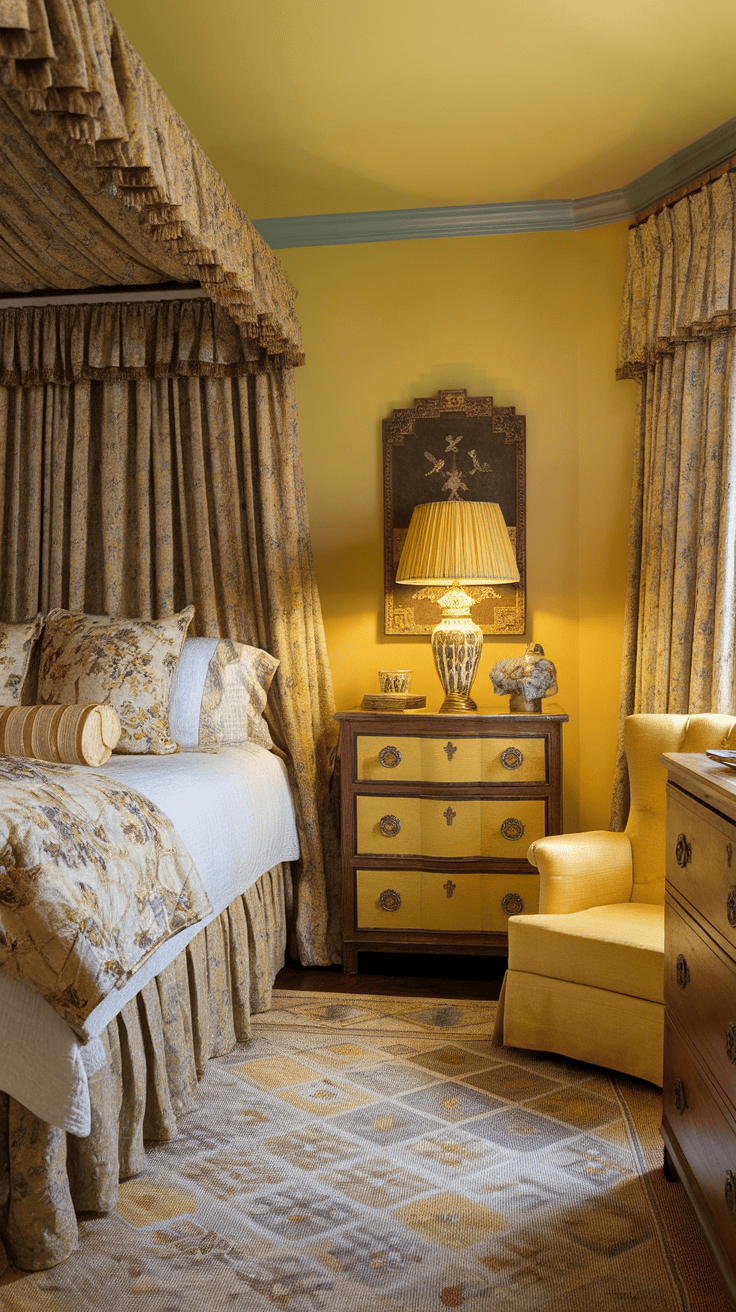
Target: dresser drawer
{"points": [[701, 861], [705, 1135], [700, 993], [450, 760], [429, 899], [438, 827]]}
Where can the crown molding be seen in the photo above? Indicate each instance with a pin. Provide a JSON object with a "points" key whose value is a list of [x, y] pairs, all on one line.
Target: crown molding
{"points": [[679, 170]]}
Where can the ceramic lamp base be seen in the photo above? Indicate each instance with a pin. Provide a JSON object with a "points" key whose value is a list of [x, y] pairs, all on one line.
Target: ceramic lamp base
{"points": [[457, 646]]}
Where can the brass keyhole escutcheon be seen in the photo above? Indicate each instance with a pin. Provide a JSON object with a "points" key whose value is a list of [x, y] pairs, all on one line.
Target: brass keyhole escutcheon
{"points": [[389, 757], [449, 887], [683, 851], [512, 758], [512, 904], [512, 829], [389, 825], [389, 899], [731, 1042], [449, 815], [731, 906], [682, 974], [449, 749], [729, 1190], [678, 1090], [729, 854]]}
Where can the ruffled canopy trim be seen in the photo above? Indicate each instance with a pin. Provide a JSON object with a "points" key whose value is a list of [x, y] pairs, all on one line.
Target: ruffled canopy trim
{"points": [[68, 63], [123, 340], [680, 281]]}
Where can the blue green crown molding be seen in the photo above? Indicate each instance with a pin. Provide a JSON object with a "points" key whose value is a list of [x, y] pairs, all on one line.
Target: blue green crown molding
{"points": [[682, 168]]}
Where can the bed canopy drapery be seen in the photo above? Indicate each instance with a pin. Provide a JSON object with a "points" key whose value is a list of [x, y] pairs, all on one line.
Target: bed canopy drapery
{"points": [[165, 429], [678, 339]]}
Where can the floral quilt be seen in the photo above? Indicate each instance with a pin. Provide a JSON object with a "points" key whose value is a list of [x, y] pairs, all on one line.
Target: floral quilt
{"points": [[93, 877]]}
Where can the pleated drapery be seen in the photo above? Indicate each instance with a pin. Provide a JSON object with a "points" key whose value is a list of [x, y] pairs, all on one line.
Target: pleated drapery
{"points": [[168, 474], [678, 339], [156, 1050]]}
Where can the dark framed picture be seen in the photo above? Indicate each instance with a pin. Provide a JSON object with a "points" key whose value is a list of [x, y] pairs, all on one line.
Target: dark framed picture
{"points": [[453, 447]]}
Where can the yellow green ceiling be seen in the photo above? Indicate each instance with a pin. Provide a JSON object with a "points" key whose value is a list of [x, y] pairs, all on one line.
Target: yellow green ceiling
{"points": [[333, 106]]}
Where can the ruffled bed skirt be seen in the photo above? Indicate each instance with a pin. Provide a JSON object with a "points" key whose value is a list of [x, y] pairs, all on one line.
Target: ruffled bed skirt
{"points": [[157, 1048]]}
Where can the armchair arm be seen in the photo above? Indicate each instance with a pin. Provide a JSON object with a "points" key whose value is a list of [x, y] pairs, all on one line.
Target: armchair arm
{"points": [[582, 870]]}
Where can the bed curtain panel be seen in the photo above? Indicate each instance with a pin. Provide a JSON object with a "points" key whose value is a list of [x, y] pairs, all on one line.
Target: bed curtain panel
{"points": [[143, 467], [678, 339]]}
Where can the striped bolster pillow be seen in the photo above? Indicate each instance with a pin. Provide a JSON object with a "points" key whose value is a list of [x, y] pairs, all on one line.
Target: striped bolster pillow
{"points": [[77, 735]]}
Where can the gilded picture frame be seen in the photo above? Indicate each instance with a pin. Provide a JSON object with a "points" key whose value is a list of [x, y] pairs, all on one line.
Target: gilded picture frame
{"points": [[453, 447]]}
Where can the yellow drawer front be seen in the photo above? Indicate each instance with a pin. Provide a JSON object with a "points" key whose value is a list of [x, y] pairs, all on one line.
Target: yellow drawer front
{"points": [[506, 895], [418, 899], [514, 760], [389, 899], [430, 826], [450, 901], [395, 759], [510, 826], [418, 826]]}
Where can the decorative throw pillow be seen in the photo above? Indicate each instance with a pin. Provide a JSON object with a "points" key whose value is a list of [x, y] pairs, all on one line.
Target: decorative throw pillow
{"points": [[127, 663], [16, 645], [219, 693], [76, 735]]}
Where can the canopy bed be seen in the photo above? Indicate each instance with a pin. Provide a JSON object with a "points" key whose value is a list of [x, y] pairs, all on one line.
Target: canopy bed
{"points": [[149, 463]]}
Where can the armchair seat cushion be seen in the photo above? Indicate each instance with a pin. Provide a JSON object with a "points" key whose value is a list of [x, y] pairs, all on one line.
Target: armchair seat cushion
{"points": [[618, 947]]}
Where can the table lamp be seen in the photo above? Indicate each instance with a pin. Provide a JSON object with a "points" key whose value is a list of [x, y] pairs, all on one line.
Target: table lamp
{"points": [[450, 543]]}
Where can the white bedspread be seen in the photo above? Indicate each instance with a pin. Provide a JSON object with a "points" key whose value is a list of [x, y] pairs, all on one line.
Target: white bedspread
{"points": [[234, 811]]}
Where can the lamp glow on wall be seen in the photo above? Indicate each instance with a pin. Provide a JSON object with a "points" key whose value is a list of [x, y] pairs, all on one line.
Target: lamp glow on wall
{"points": [[451, 543]]}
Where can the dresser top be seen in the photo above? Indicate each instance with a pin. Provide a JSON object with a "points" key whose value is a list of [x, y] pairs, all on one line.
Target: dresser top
{"points": [[708, 780], [484, 716]]}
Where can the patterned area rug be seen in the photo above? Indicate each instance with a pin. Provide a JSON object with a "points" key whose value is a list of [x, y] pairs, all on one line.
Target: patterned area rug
{"points": [[376, 1154]]}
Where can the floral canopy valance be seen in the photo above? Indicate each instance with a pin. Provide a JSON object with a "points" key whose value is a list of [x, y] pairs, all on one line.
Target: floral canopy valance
{"points": [[680, 276], [81, 114], [123, 340]]}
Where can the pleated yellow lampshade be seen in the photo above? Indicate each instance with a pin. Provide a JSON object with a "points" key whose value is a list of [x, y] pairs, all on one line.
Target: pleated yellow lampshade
{"points": [[457, 542]]}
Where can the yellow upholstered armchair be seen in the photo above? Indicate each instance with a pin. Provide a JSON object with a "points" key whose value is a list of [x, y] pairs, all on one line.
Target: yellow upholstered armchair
{"points": [[585, 976]]}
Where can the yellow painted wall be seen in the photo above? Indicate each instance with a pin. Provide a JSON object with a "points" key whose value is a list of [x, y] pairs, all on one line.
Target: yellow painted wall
{"points": [[532, 320]]}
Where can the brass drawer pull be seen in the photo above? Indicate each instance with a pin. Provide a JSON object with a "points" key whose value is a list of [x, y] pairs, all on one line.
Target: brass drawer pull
{"points": [[683, 851], [512, 829], [389, 825], [449, 887], [390, 757], [449, 749], [389, 899], [512, 758], [731, 906], [512, 904], [682, 973], [678, 1090], [731, 1043], [449, 815], [729, 1190]]}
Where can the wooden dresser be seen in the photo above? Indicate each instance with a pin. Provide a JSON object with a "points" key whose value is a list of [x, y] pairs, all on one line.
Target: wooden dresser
{"points": [[699, 1118], [438, 812]]}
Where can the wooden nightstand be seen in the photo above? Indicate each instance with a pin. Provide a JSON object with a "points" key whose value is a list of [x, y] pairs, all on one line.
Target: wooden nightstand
{"points": [[438, 812]]}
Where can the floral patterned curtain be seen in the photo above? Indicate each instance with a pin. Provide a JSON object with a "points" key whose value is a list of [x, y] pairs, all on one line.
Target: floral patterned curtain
{"points": [[678, 339]]}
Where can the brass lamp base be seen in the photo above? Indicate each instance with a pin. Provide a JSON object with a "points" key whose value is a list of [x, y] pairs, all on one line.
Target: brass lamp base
{"points": [[457, 646]]}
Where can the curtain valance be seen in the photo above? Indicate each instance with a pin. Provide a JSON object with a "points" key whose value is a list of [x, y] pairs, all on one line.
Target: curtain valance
{"points": [[680, 281], [123, 340], [89, 103]]}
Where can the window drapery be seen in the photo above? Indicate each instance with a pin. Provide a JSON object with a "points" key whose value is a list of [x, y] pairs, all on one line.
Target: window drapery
{"points": [[678, 339], [145, 467]]}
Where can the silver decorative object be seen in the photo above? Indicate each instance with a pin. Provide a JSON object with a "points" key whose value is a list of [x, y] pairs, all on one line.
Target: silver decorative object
{"points": [[528, 679]]}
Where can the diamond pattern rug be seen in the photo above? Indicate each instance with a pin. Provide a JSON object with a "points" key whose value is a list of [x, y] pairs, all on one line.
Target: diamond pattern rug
{"points": [[376, 1154]]}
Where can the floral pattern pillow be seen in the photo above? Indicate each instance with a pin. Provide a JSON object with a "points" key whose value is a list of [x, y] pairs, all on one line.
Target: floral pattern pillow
{"points": [[16, 645], [234, 696], [126, 663]]}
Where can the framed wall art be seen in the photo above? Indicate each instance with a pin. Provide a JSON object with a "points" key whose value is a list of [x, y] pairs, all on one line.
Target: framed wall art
{"points": [[453, 447]]}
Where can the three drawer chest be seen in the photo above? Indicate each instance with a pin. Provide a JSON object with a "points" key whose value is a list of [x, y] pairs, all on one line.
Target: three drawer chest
{"points": [[438, 812], [699, 1094]]}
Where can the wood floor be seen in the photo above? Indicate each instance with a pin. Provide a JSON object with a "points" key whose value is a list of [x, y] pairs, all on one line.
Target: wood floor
{"points": [[403, 975]]}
